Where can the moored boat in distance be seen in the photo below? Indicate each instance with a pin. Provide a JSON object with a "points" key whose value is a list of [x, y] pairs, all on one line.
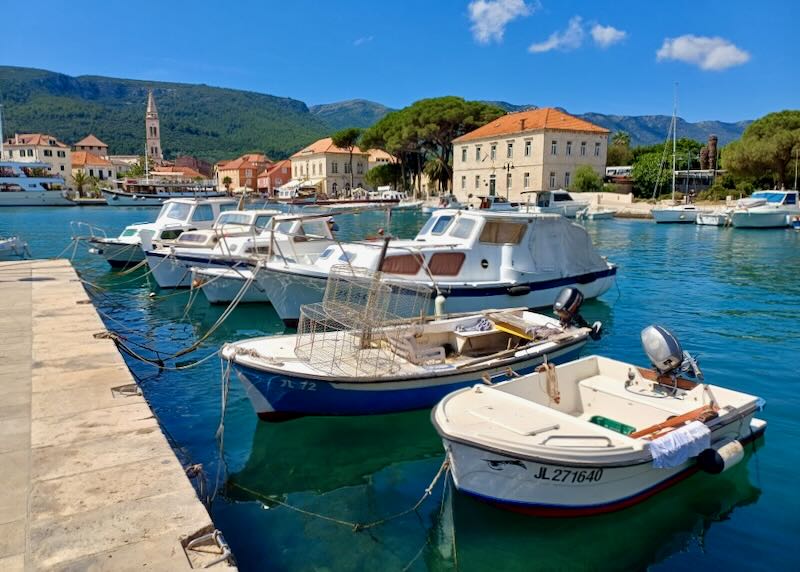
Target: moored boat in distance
{"points": [[13, 247], [175, 217], [676, 214], [30, 185], [554, 202], [766, 209], [594, 435], [719, 217], [153, 190]]}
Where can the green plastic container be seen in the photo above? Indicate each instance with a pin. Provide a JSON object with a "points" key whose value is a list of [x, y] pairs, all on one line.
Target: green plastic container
{"points": [[613, 425]]}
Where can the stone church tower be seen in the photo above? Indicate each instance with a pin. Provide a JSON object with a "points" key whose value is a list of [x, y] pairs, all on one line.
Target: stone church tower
{"points": [[153, 130]]}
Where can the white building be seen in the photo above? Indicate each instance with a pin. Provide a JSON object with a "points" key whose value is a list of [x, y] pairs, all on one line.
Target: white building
{"points": [[39, 148], [327, 166], [532, 150]]}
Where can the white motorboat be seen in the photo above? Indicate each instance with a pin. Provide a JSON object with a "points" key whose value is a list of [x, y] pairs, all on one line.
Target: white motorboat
{"points": [[401, 200], [474, 259], [554, 202], [675, 214], [448, 201], [221, 285], [719, 217], [594, 435], [29, 185], [766, 209], [599, 213], [234, 244], [175, 217], [359, 353], [154, 191], [496, 203], [13, 247]]}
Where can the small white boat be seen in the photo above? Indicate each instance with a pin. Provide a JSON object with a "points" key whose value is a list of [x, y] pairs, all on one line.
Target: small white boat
{"points": [[554, 202], [401, 200], [714, 218], [766, 209], [13, 247], [445, 202], [496, 203], [175, 217], [594, 435], [675, 214], [598, 213]]}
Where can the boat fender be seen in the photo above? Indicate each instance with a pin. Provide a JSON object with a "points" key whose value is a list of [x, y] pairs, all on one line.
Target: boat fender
{"points": [[521, 290], [721, 456], [438, 305]]}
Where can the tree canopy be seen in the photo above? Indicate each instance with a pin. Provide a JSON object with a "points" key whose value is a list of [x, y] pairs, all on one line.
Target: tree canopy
{"points": [[586, 180], [348, 139], [769, 145]]}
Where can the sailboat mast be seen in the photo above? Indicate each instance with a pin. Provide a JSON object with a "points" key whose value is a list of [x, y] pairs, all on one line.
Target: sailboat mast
{"points": [[674, 136]]}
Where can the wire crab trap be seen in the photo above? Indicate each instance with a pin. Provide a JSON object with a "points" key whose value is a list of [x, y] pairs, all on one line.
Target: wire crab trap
{"points": [[355, 329]]}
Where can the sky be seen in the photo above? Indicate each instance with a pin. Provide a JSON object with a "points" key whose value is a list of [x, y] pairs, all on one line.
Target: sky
{"points": [[732, 60]]}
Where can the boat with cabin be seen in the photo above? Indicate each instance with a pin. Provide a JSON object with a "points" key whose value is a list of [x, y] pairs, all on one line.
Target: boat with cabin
{"points": [[766, 209], [496, 203], [156, 188], [31, 185], [366, 349], [237, 238], [448, 201], [557, 201], [175, 217], [594, 435], [473, 259]]}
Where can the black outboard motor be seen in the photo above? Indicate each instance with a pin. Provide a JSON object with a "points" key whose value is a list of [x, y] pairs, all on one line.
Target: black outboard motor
{"points": [[666, 354], [566, 307]]}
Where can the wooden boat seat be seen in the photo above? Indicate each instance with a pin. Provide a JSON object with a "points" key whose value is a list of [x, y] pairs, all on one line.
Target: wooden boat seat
{"points": [[406, 347]]}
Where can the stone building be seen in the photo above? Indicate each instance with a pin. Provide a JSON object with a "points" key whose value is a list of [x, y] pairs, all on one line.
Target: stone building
{"points": [[327, 166], [40, 148]]}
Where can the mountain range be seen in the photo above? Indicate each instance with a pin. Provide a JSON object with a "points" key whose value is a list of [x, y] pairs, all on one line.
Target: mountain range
{"points": [[217, 123]]}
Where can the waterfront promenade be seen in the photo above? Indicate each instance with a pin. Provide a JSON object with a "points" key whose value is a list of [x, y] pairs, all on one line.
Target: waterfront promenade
{"points": [[88, 479]]}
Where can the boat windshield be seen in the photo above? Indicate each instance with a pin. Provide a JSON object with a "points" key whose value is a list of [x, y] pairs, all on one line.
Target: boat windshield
{"points": [[129, 232], [177, 211], [561, 197], [770, 197], [241, 219]]}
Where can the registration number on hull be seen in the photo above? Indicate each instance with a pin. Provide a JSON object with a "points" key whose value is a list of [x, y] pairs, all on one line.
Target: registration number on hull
{"points": [[569, 475]]}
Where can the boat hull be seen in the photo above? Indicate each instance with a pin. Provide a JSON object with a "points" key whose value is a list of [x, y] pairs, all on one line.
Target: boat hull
{"points": [[759, 219], [118, 254], [288, 291], [279, 397], [34, 199], [221, 289], [712, 219], [541, 488], [121, 199]]}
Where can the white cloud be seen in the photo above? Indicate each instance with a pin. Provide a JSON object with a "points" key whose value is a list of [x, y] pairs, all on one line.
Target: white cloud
{"points": [[565, 40], [363, 40], [490, 17], [707, 53], [605, 36]]}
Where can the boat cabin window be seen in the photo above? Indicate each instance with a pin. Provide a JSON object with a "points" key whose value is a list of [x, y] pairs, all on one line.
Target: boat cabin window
{"points": [[228, 207], [129, 232], [315, 229], [561, 197], [203, 213], [441, 224], [770, 197], [427, 226], [402, 264], [178, 211], [195, 238], [263, 222], [171, 234], [326, 253], [446, 263], [241, 219], [502, 232], [463, 228], [791, 199], [347, 257]]}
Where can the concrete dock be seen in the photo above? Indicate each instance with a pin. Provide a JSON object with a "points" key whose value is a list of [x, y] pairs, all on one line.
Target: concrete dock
{"points": [[88, 480]]}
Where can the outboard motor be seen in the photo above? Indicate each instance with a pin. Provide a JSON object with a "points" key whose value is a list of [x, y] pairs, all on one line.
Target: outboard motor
{"points": [[566, 307], [666, 354]]}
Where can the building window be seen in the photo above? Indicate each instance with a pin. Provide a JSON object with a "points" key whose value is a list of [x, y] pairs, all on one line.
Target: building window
{"points": [[477, 182], [62, 167], [597, 149], [48, 153], [566, 180], [334, 167], [508, 181], [526, 180], [509, 150], [346, 168], [552, 180], [463, 182], [583, 148], [359, 168], [91, 171], [30, 152], [248, 172], [477, 152], [493, 152], [527, 148], [463, 154], [61, 154], [109, 173], [553, 147], [334, 188], [569, 148]]}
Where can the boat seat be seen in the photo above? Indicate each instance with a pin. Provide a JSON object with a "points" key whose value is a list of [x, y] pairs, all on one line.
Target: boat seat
{"points": [[406, 346]]}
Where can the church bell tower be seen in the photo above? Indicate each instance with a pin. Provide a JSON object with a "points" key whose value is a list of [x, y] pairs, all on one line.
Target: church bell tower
{"points": [[153, 130]]}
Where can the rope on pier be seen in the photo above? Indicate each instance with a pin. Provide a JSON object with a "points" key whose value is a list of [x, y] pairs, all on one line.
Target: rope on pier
{"points": [[355, 526]]}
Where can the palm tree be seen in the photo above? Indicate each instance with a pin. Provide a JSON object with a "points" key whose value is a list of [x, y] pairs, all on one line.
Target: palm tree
{"points": [[621, 138], [80, 179], [227, 181], [437, 170]]}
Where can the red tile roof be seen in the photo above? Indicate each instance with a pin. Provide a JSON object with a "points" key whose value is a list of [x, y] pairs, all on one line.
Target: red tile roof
{"points": [[323, 146], [84, 158], [90, 141], [35, 139], [187, 172], [532, 120]]}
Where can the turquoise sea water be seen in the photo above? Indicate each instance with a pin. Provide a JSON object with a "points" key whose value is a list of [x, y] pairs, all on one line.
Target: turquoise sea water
{"points": [[731, 295]]}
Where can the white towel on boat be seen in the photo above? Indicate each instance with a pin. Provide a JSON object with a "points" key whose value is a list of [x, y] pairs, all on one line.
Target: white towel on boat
{"points": [[680, 445]]}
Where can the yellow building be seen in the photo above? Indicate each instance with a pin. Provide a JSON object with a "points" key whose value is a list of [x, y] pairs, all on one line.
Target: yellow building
{"points": [[327, 166], [242, 172], [40, 148], [531, 150], [94, 166]]}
